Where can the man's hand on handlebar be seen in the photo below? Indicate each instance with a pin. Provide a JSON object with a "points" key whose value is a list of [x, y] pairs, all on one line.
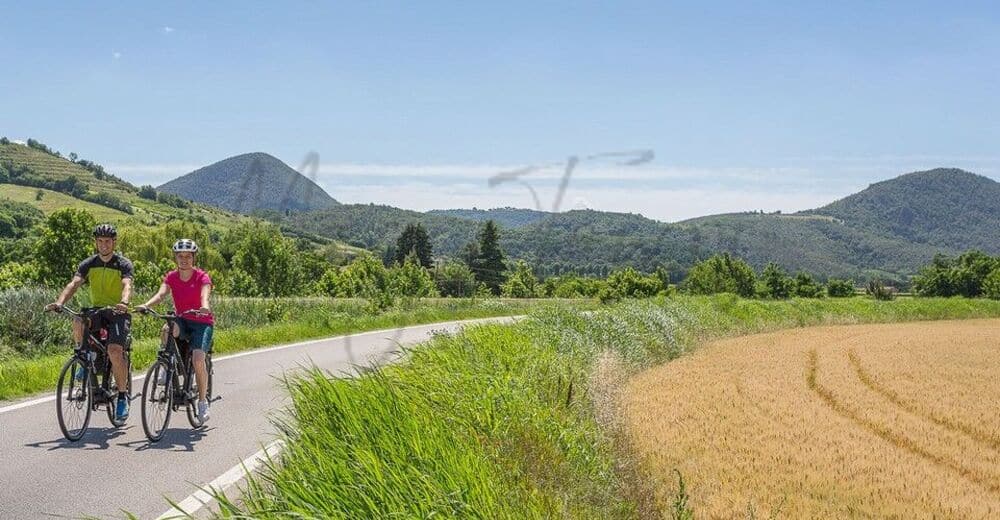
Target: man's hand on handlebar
{"points": [[54, 307]]}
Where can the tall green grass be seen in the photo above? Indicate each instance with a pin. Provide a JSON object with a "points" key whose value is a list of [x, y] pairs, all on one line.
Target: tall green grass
{"points": [[511, 421], [34, 344]]}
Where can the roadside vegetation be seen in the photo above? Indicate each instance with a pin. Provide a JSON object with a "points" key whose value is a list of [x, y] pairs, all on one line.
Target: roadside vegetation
{"points": [[515, 421], [35, 344]]}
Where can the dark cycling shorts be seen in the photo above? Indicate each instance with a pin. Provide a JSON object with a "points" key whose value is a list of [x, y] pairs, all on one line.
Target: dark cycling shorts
{"points": [[198, 334], [118, 326]]}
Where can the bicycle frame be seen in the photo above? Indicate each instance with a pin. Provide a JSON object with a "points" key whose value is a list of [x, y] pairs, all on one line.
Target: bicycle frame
{"points": [[81, 352], [178, 364]]}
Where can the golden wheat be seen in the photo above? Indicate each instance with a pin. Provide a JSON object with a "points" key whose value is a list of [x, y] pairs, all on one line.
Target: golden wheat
{"points": [[894, 420]]}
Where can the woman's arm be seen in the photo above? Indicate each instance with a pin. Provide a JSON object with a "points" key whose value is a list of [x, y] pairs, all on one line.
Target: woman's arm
{"points": [[206, 292], [164, 289]]}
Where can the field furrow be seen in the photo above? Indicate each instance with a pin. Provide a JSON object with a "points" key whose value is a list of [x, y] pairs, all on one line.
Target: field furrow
{"points": [[845, 421]]}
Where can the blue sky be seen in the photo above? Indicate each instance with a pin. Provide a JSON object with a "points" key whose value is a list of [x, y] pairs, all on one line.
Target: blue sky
{"points": [[764, 106]]}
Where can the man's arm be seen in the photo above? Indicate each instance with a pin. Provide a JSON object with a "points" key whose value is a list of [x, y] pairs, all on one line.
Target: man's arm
{"points": [[126, 295], [66, 293]]}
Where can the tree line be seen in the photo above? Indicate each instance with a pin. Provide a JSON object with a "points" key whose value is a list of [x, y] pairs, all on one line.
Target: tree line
{"points": [[256, 259]]}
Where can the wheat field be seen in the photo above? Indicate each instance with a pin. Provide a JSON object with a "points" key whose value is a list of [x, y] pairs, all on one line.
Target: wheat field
{"points": [[896, 420]]}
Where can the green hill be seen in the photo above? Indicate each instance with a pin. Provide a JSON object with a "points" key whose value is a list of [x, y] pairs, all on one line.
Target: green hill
{"points": [[27, 171], [944, 207], [251, 182], [24, 170]]}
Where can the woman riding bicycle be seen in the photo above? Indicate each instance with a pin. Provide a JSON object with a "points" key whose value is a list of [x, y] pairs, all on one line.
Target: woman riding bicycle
{"points": [[190, 289]]}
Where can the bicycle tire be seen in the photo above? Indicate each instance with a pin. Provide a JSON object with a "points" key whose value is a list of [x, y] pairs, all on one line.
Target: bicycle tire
{"points": [[157, 401], [66, 402]]}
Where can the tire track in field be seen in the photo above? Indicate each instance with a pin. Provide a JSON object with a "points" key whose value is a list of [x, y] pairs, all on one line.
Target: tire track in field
{"points": [[988, 438], [887, 434]]}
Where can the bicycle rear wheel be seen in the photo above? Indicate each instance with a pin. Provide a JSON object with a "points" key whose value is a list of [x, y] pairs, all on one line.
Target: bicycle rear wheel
{"points": [[73, 400], [157, 400]]}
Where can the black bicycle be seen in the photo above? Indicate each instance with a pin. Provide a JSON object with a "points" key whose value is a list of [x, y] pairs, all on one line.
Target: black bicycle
{"points": [[171, 383], [86, 381]]}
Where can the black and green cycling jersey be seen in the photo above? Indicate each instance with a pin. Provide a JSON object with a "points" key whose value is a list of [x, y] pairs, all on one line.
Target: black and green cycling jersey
{"points": [[105, 278]]}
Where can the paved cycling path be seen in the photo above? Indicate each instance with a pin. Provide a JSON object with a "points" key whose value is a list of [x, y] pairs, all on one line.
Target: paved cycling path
{"points": [[111, 471]]}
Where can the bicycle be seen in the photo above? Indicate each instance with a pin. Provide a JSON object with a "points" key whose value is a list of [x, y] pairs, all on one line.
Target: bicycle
{"points": [[164, 394], [79, 390]]}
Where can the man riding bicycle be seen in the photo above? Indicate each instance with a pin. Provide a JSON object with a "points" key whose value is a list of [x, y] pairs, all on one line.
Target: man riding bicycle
{"points": [[190, 289], [109, 276]]}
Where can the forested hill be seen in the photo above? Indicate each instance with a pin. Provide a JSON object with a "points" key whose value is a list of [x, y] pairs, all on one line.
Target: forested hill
{"points": [[506, 217], [886, 231], [944, 207], [250, 182]]}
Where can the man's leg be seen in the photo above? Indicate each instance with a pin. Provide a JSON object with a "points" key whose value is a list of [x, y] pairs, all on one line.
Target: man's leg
{"points": [[117, 354], [77, 332]]}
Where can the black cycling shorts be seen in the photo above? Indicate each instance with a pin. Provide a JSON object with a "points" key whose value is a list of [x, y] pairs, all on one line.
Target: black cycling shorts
{"points": [[118, 325]]}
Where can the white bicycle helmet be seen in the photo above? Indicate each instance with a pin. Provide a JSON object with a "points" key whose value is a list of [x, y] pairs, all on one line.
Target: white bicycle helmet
{"points": [[185, 245]]}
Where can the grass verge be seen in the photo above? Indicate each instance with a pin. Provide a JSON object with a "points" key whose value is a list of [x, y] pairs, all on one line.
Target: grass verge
{"points": [[251, 323], [512, 421]]}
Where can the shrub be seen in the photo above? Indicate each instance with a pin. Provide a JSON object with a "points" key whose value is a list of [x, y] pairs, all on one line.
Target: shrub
{"points": [[721, 273], [837, 288], [878, 290]]}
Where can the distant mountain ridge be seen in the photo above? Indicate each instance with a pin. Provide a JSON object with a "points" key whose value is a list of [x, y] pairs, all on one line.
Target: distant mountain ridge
{"points": [[250, 182], [887, 231], [506, 217]]}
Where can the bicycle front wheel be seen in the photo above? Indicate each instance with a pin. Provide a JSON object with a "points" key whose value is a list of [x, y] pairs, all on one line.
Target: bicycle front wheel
{"points": [[73, 399], [192, 407], [157, 400]]}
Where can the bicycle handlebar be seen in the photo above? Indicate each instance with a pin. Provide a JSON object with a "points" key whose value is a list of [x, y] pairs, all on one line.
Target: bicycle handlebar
{"points": [[81, 313], [170, 315]]}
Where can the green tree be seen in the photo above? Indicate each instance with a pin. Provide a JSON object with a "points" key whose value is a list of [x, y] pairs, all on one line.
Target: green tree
{"points": [[329, 283], [268, 259], [521, 283], [630, 283], [837, 288], [991, 285], [776, 284], [971, 270], [414, 239], [806, 287], [363, 277], [410, 279], [66, 239], [147, 192], [455, 279], [721, 273], [489, 265], [936, 278], [962, 276]]}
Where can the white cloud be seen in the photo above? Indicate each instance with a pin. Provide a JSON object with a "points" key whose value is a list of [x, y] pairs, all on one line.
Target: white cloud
{"points": [[116, 55], [167, 29]]}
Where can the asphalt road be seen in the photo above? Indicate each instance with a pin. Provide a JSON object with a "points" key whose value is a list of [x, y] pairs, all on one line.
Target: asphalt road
{"points": [[110, 471]]}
